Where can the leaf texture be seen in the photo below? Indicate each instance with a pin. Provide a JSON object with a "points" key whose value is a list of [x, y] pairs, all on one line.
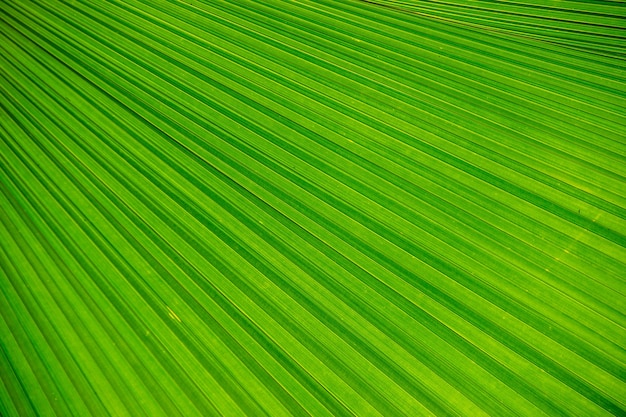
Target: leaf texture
{"points": [[316, 208]]}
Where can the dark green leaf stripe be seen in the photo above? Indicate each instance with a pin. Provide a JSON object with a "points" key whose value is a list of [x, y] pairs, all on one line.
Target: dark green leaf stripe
{"points": [[349, 208]]}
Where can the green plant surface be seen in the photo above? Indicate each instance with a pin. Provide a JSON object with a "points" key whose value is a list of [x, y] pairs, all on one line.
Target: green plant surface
{"points": [[314, 207]]}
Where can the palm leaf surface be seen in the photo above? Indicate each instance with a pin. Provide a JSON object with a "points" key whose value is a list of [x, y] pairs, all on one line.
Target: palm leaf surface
{"points": [[312, 208]]}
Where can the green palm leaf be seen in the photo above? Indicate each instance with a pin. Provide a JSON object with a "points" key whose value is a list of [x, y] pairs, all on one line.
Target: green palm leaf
{"points": [[312, 208]]}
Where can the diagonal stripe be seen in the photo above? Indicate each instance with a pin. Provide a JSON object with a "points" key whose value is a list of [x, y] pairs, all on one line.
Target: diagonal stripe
{"points": [[312, 208]]}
